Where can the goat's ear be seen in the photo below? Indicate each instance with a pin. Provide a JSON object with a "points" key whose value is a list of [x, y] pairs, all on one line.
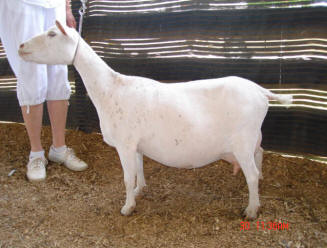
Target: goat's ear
{"points": [[61, 28]]}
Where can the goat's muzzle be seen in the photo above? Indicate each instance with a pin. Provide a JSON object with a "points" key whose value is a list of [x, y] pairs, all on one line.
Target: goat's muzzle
{"points": [[21, 51]]}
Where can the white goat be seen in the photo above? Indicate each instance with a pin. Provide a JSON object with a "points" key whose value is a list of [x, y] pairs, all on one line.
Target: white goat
{"points": [[184, 125]]}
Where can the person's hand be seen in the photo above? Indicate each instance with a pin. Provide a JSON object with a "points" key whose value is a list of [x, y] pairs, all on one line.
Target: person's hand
{"points": [[70, 19]]}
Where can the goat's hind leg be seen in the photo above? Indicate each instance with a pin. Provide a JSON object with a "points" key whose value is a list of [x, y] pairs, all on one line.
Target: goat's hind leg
{"points": [[251, 174], [258, 156], [140, 180]]}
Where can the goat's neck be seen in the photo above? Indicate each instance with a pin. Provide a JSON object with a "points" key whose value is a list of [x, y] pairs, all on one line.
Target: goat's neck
{"points": [[97, 76]]}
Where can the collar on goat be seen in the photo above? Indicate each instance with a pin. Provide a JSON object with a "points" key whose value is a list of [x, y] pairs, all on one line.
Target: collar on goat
{"points": [[73, 62]]}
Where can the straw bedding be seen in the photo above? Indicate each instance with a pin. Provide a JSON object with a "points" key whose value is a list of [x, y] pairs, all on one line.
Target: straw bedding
{"points": [[179, 208]]}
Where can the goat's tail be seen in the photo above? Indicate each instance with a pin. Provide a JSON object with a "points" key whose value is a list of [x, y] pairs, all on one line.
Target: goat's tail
{"points": [[284, 99]]}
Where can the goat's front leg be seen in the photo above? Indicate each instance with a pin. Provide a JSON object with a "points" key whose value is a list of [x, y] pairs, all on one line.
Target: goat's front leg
{"points": [[140, 180], [128, 161]]}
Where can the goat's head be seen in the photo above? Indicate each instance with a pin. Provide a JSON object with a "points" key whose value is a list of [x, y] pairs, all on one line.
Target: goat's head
{"points": [[56, 46]]}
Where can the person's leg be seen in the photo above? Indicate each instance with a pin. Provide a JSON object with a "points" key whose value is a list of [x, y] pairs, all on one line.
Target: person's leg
{"points": [[19, 22], [32, 116], [58, 114], [59, 152], [57, 102], [36, 167], [58, 86]]}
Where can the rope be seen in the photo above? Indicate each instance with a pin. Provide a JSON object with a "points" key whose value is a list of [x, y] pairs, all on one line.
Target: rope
{"points": [[82, 12]]}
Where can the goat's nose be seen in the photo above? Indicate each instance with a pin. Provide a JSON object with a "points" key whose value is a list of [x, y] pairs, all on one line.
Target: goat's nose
{"points": [[21, 46]]}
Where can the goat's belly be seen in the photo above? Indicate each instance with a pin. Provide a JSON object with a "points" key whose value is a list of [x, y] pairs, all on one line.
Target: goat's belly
{"points": [[182, 159], [181, 156]]}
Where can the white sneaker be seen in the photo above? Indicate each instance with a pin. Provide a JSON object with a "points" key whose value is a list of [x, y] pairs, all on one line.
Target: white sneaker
{"points": [[68, 158], [36, 169]]}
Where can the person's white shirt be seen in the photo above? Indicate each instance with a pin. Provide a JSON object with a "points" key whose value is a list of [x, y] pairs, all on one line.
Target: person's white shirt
{"points": [[45, 3]]}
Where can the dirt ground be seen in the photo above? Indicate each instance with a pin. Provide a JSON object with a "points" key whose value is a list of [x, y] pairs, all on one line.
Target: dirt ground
{"points": [[180, 208]]}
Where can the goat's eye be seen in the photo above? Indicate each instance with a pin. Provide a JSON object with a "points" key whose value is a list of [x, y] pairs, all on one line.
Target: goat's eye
{"points": [[52, 34]]}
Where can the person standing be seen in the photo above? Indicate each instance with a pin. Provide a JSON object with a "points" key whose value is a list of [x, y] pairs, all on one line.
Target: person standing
{"points": [[19, 21]]}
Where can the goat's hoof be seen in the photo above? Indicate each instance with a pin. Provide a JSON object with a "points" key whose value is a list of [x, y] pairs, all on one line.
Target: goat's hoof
{"points": [[127, 210], [138, 191], [250, 214], [260, 176]]}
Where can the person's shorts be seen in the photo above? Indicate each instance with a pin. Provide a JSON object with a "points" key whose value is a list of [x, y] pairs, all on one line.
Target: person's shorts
{"points": [[35, 83]]}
